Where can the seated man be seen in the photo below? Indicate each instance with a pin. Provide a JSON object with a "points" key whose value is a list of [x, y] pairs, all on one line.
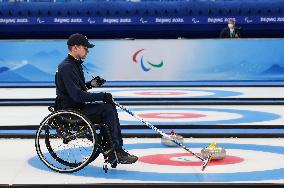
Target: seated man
{"points": [[231, 31], [71, 91]]}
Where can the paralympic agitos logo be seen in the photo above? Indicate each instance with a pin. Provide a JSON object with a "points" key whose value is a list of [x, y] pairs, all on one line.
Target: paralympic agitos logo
{"points": [[145, 65]]}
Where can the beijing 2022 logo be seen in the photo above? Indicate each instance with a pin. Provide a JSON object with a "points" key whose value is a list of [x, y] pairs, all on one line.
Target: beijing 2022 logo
{"points": [[146, 66]]}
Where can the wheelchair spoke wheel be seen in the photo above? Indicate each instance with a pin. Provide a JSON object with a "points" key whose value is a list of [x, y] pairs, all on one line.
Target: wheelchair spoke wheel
{"points": [[66, 141]]}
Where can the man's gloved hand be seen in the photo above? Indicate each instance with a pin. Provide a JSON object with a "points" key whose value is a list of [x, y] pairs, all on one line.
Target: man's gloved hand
{"points": [[108, 98], [97, 81]]}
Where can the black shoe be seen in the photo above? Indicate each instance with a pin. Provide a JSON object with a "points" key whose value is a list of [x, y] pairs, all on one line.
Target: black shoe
{"points": [[126, 153], [111, 157], [124, 157], [121, 156]]}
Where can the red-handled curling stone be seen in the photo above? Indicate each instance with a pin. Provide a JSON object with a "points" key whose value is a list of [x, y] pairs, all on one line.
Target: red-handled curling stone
{"points": [[174, 136]]}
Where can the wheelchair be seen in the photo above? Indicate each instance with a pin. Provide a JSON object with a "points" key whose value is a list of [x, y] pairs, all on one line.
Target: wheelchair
{"points": [[67, 141]]}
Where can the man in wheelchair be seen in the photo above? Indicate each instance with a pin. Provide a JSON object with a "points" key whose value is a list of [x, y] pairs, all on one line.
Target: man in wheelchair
{"points": [[72, 93]]}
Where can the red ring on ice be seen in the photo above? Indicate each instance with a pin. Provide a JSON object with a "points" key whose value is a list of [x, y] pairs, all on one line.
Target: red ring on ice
{"points": [[160, 93], [165, 159], [171, 115]]}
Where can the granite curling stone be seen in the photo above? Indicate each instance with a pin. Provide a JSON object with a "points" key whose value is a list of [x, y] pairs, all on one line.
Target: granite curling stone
{"points": [[217, 151], [170, 143]]}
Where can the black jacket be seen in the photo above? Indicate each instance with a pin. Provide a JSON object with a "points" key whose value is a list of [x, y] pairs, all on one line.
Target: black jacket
{"points": [[71, 89], [225, 33]]}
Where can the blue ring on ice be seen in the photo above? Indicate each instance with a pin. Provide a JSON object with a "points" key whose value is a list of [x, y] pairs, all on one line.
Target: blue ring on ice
{"points": [[265, 175], [247, 116]]}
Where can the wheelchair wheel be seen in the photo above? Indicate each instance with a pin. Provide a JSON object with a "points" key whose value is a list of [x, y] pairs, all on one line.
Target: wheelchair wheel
{"points": [[66, 141]]}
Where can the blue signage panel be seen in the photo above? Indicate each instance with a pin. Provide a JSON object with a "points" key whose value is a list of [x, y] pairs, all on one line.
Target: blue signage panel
{"points": [[134, 20]]}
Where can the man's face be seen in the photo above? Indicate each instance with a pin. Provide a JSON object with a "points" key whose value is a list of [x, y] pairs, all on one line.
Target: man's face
{"points": [[81, 51], [231, 24]]}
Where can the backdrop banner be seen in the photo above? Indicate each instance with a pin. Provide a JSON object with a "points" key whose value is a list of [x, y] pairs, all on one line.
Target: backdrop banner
{"points": [[149, 60]]}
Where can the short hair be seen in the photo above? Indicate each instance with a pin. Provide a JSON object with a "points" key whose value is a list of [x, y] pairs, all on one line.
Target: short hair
{"points": [[232, 21], [69, 48]]}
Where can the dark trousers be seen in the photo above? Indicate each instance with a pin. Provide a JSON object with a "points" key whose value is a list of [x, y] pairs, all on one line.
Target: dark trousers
{"points": [[108, 116]]}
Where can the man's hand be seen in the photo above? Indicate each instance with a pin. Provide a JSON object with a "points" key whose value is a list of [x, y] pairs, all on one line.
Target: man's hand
{"points": [[108, 98], [97, 81]]}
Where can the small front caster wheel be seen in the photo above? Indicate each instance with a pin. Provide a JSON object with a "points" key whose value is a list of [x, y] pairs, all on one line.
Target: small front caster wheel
{"points": [[105, 168]]}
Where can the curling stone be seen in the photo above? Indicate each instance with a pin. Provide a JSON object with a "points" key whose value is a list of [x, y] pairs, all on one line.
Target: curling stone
{"points": [[217, 151], [174, 136]]}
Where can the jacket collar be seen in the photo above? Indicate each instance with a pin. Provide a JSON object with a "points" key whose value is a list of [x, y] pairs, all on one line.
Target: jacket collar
{"points": [[75, 59]]}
